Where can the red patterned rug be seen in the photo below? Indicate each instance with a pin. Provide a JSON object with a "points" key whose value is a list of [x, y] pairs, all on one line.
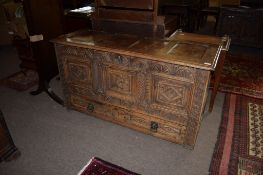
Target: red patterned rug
{"points": [[239, 148], [98, 166], [243, 74]]}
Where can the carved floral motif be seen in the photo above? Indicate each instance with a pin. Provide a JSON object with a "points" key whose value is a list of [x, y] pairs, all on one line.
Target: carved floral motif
{"points": [[170, 94], [120, 83], [77, 72]]}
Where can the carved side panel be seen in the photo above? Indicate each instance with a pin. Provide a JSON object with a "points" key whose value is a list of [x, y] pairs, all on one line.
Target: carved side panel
{"points": [[199, 95], [78, 72], [77, 64], [75, 67]]}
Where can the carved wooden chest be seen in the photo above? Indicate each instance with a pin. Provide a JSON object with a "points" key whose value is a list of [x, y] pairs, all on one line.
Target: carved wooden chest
{"points": [[158, 87]]}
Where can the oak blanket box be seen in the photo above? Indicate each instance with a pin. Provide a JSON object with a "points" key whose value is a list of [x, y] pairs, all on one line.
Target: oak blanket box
{"points": [[156, 86]]}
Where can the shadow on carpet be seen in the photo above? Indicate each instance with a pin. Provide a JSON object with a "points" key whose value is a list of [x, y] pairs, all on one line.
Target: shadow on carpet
{"points": [[239, 148]]}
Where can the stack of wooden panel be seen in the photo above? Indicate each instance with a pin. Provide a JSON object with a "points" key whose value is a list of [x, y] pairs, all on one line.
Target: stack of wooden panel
{"points": [[138, 17]]}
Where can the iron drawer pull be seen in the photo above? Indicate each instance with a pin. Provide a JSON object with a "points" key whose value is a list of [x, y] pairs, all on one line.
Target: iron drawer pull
{"points": [[90, 107], [120, 59], [154, 126]]}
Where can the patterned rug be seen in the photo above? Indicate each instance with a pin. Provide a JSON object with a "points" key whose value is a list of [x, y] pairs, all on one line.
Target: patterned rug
{"points": [[239, 148], [21, 80], [98, 166], [243, 75]]}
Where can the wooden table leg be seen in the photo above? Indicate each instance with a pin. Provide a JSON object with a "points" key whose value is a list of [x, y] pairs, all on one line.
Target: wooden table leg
{"points": [[217, 75]]}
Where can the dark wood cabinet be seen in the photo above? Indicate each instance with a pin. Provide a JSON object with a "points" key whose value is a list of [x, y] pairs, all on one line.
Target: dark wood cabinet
{"points": [[8, 150], [243, 25]]}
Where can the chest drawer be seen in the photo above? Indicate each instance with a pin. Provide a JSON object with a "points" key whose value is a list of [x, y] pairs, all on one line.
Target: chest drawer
{"points": [[172, 131]]}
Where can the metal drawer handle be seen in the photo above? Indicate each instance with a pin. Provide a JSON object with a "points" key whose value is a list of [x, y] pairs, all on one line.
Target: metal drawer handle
{"points": [[154, 126], [90, 107], [119, 59], [127, 117]]}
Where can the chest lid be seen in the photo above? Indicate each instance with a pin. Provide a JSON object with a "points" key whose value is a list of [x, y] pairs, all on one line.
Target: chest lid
{"points": [[193, 50]]}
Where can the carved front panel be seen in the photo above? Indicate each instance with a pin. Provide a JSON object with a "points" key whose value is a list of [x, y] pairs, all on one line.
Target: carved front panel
{"points": [[155, 88], [78, 72], [121, 79], [171, 95], [169, 91], [119, 83], [77, 68]]}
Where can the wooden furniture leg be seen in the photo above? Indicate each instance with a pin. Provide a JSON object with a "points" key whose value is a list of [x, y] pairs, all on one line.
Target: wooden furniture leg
{"points": [[8, 150], [217, 75], [43, 86]]}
